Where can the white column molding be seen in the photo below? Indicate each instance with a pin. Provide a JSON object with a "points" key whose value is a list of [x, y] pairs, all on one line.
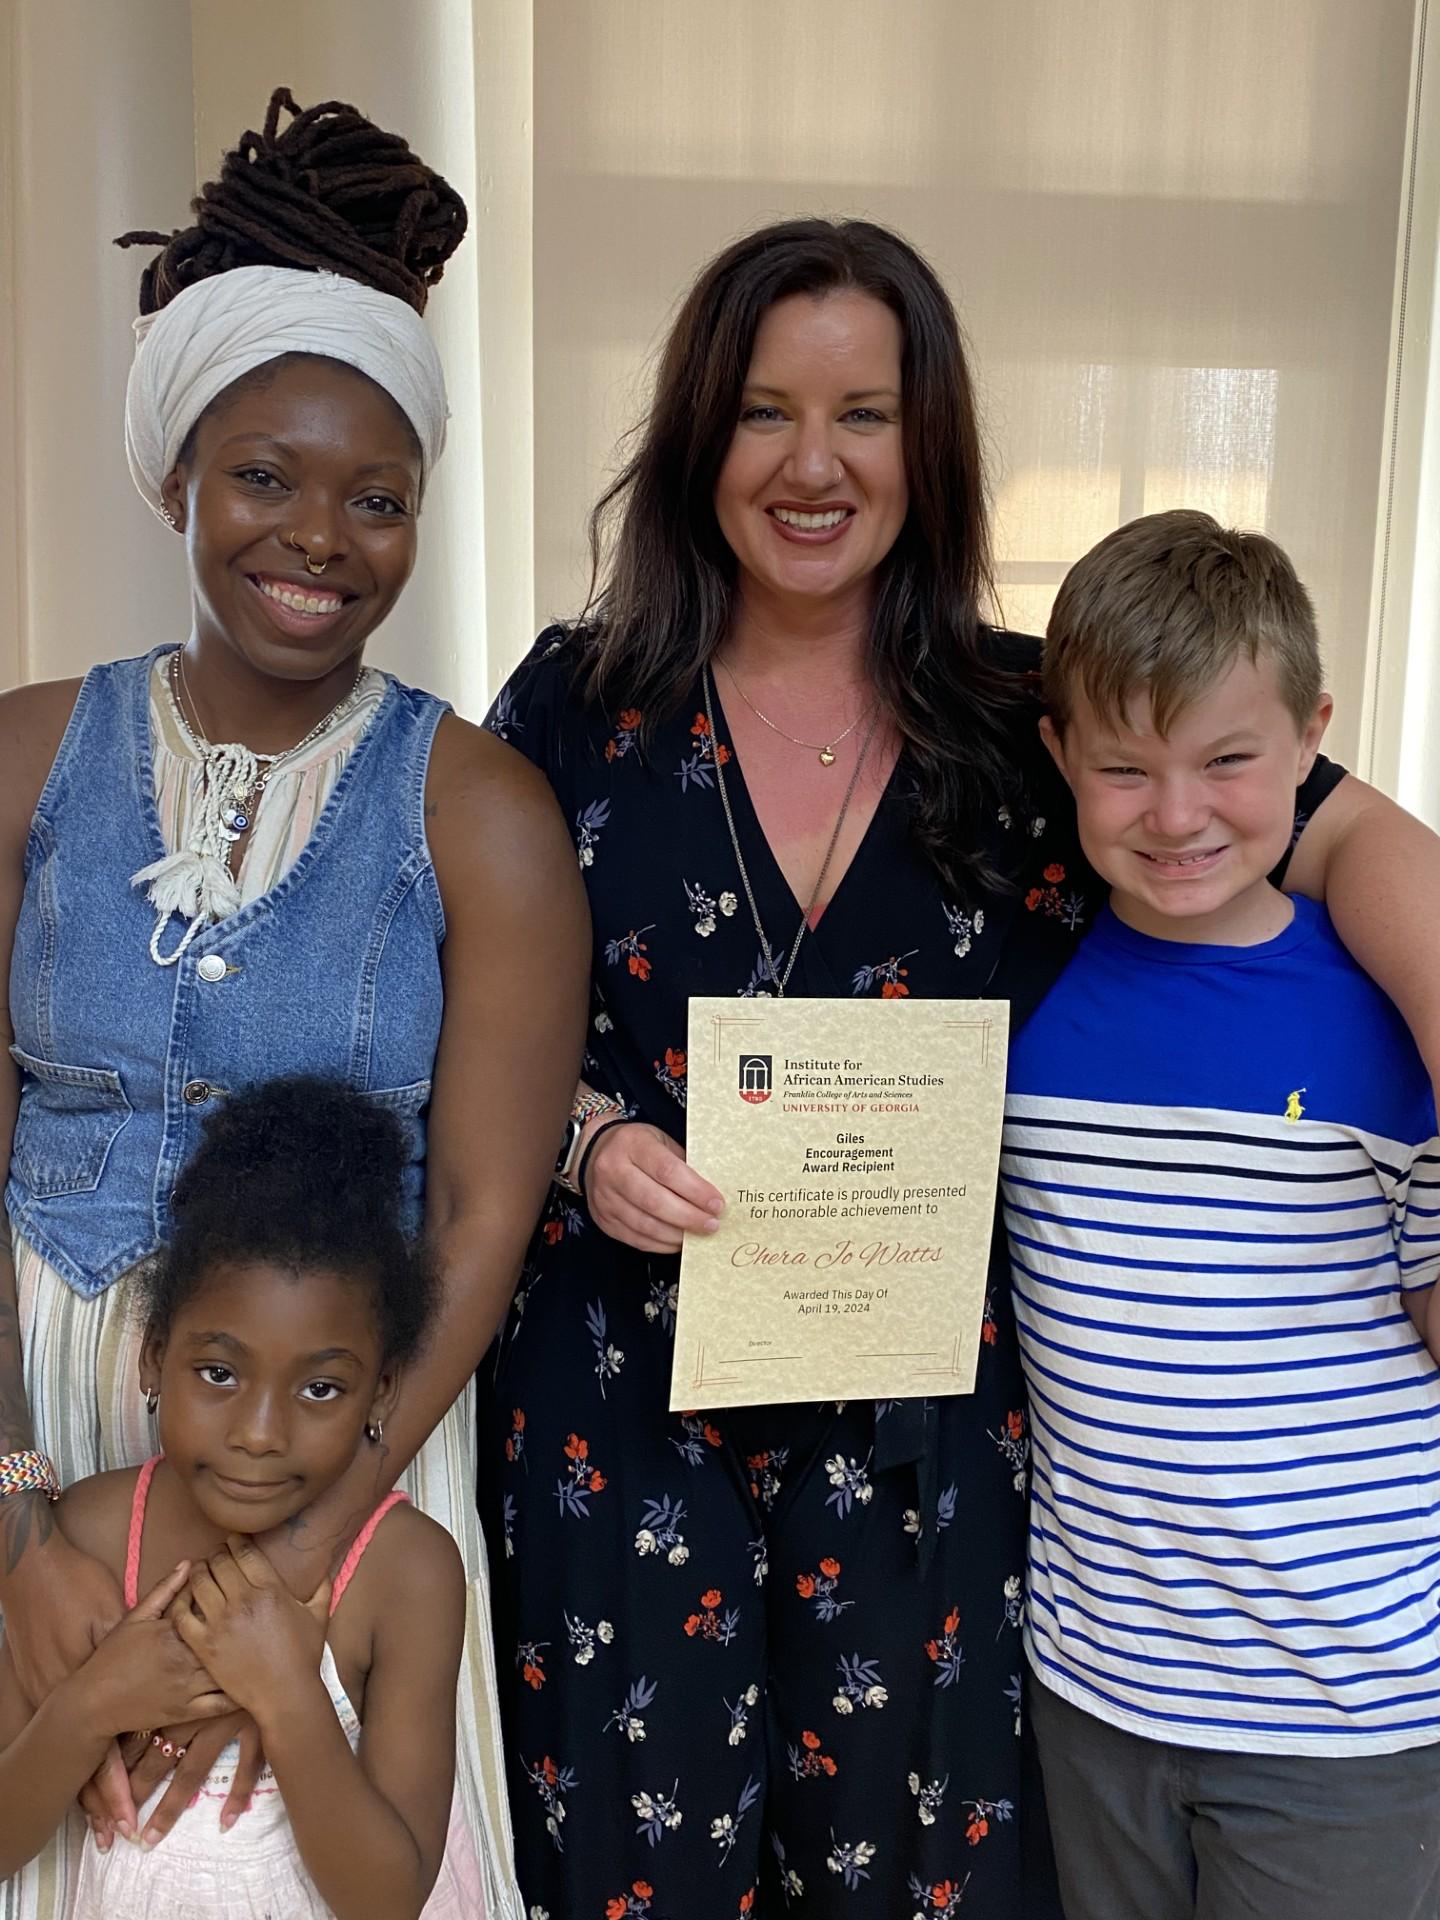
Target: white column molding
{"points": [[1401, 737], [91, 575], [503, 229]]}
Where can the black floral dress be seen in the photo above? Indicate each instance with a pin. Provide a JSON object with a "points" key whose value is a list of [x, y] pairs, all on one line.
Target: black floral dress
{"points": [[767, 1660]]}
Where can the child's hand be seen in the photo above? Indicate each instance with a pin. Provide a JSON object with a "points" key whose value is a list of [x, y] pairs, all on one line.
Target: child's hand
{"points": [[143, 1675], [242, 1622]]}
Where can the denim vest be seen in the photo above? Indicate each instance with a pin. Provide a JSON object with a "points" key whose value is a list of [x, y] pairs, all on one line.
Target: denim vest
{"points": [[335, 971]]}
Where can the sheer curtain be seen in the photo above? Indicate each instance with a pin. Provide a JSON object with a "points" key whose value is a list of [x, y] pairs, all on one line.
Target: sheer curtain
{"points": [[1171, 229]]}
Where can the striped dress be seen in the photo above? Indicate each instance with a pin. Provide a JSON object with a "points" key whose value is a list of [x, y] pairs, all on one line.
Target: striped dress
{"points": [[1220, 1176], [82, 1356]]}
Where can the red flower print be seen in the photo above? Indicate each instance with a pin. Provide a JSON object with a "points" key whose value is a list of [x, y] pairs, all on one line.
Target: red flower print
{"points": [[747, 1901], [534, 1676], [830, 1568], [978, 1828], [722, 754], [712, 1434], [615, 1907], [517, 1419], [988, 1333], [576, 1448], [932, 1647], [550, 1771], [701, 728], [1033, 899], [805, 1585], [711, 1597], [675, 1062], [639, 966], [611, 752], [829, 1765], [1054, 873], [1015, 1423], [811, 1740], [894, 990], [628, 719], [692, 1625], [554, 1232], [597, 1482], [952, 1620], [643, 1888]]}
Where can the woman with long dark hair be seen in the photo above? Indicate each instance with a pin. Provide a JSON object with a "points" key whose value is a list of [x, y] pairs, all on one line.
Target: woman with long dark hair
{"points": [[773, 1654]]}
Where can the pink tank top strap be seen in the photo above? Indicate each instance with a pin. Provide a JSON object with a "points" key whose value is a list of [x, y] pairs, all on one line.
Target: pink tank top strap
{"points": [[137, 1528], [362, 1541]]}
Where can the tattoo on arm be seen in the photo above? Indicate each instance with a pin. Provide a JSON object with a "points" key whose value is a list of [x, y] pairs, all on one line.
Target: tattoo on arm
{"points": [[26, 1520]]}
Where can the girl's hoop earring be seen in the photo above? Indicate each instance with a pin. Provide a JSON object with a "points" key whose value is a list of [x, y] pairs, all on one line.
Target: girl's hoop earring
{"points": [[375, 1432], [167, 516], [152, 1401]]}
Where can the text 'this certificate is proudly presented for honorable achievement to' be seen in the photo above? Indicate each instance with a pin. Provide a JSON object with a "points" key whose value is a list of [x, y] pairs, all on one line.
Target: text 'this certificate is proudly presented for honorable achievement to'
{"points": [[857, 1147]]}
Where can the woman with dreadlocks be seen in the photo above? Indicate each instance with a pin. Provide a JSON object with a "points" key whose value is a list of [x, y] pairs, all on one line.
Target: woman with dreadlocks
{"points": [[249, 855]]}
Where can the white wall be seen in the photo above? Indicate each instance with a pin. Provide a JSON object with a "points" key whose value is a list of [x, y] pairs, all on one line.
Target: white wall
{"points": [[1170, 226]]}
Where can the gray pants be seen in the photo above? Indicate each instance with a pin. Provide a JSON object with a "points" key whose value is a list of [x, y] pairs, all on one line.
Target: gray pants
{"points": [[1149, 1831]]}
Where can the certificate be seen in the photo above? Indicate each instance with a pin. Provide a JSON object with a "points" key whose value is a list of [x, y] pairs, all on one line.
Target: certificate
{"points": [[857, 1146]]}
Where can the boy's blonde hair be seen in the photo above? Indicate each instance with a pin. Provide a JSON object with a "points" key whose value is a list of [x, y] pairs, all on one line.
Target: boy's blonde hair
{"points": [[1165, 606]]}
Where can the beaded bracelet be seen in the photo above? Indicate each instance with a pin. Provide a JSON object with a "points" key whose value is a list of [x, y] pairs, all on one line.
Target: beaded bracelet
{"points": [[28, 1472]]}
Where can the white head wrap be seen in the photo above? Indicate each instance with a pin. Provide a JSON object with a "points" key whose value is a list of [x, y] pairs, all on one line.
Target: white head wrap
{"points": [[224, 327]]}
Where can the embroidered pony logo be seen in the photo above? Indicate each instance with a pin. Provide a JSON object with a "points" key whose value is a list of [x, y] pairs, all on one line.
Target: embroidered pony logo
{"points": [[1293, 1108]]}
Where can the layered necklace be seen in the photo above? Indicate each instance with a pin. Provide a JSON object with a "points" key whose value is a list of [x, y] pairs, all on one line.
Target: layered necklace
{"points": [[782, 980], [825, 750], [196, 881]]}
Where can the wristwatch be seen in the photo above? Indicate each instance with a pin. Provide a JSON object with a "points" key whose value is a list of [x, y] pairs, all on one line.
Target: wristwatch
{"points": [[587, 1106]]}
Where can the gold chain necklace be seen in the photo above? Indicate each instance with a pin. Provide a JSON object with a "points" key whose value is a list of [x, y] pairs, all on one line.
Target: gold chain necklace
{"points": [[825, 751]]}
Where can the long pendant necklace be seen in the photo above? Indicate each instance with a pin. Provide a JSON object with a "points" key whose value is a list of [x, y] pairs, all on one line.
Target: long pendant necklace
{"points": [[825, 750], [782, 980], [196, 880]]}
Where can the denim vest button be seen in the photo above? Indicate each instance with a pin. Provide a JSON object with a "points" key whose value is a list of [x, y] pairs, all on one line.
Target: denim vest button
{"points": [[196, 1092], [211, 967]]}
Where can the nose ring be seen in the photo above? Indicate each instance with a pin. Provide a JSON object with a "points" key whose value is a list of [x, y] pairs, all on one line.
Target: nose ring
{"points": [[310, 566], [839, 474]]}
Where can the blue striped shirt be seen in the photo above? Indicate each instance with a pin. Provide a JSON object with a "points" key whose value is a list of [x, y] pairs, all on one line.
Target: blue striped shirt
{"points": [[1220, 1173]]}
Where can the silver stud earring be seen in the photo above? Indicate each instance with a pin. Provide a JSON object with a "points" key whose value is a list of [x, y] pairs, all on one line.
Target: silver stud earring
{"points": [[167, 516], [152, 1401], [375, 1432]]}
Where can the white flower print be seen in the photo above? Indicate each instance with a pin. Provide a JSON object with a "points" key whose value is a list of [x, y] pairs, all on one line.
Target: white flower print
{"points": [[860, 1684], [851, 1481], [739, 1711], [725, 1827], [627, 1716], [657, 1814], [850, 1859], [965, 928], [929, 1797]]}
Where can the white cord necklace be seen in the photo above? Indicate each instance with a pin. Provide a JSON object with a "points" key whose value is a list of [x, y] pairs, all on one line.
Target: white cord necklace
{"points": [[196, 881]]}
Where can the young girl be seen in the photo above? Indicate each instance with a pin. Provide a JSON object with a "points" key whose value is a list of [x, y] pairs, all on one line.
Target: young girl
{"points": [[277, 1320]]}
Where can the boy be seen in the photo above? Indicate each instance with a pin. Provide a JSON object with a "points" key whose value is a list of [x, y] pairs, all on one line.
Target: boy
{"points": [[1220, 1177]]}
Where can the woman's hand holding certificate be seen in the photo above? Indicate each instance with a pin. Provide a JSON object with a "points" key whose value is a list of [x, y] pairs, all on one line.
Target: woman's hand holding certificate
{"points": [[857, 1146]]}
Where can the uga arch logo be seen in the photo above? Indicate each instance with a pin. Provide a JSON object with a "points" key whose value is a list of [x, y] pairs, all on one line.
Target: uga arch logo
{"points": [[755, 1077]]}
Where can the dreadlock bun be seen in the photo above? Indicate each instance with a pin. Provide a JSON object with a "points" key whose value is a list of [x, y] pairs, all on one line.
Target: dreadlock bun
{"points": [[332, 192]]}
